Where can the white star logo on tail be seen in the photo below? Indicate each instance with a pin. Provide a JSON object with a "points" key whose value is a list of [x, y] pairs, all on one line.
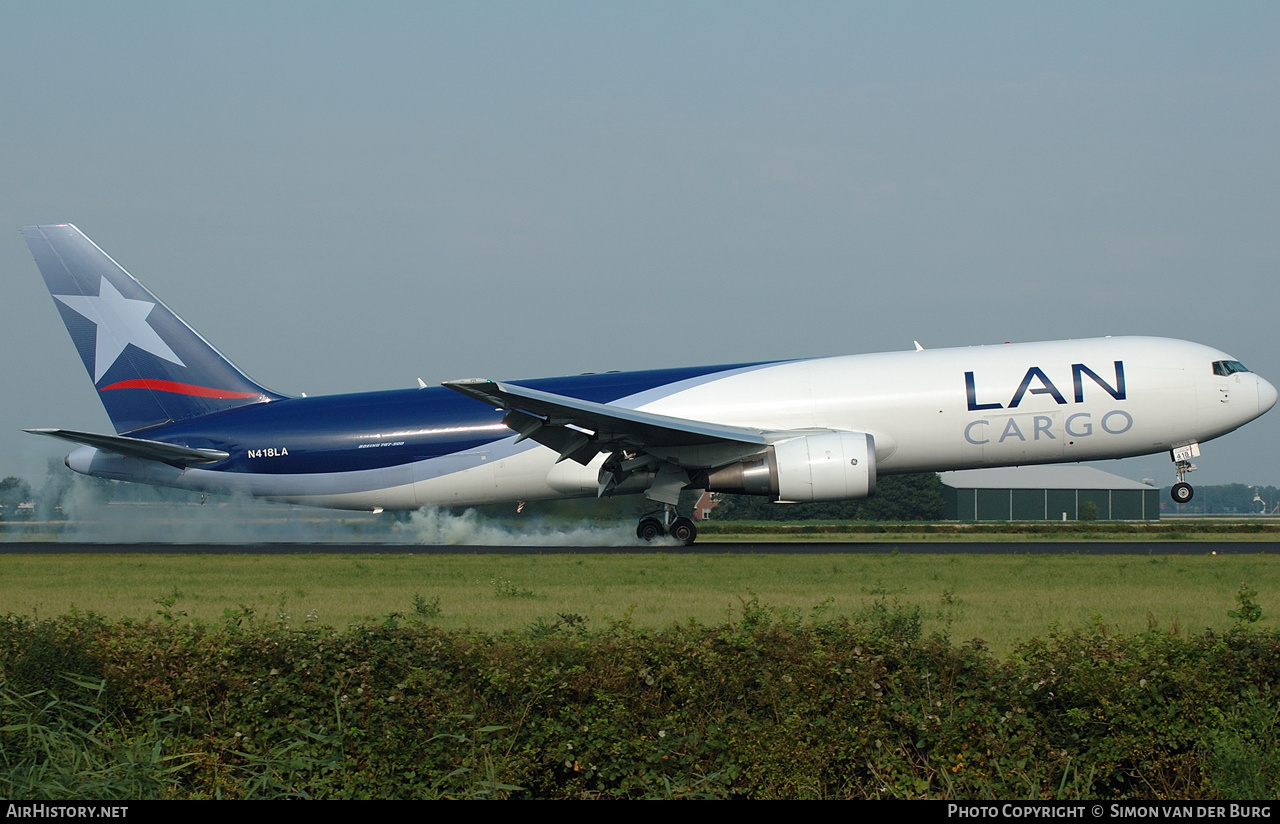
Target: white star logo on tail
{"points": [[120, 321]]}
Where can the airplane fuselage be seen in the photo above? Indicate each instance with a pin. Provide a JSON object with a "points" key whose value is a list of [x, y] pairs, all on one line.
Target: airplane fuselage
{"points": [[930, 410]]}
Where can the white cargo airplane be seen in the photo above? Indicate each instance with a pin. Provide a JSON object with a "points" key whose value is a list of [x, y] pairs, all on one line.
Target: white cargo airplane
{"points": [[798, 430]]}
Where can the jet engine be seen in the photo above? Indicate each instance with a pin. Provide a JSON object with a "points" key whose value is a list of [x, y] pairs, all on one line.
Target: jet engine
{"points": [[828, 466]]}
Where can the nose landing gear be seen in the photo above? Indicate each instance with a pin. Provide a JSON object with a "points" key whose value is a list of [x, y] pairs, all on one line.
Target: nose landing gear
{"points": [[652, 527], [1182, 491]]}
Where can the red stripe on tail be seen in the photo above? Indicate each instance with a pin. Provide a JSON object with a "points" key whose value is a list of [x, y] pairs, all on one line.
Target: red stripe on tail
{"points": [[180, 389]]}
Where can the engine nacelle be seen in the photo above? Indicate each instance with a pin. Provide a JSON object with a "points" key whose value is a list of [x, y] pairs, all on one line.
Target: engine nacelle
{"points": [[829, 466], [832, 466]]}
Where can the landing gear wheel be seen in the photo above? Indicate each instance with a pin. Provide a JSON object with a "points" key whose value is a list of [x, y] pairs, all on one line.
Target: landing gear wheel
{"points": [[1181, 493], [650, 529], [683, 530]]}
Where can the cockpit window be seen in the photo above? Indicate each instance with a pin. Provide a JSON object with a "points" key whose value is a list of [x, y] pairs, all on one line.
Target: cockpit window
{"points": [[1228, 367]]}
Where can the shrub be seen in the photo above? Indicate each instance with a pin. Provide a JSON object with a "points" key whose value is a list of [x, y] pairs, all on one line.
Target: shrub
{"points": [[769, 704]]}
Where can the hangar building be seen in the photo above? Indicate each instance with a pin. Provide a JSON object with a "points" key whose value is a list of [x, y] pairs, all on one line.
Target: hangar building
{"points": [[1046, 493]]}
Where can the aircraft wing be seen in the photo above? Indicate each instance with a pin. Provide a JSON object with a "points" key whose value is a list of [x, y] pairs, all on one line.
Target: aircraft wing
{"points": [[138, 447], [581, 429]]}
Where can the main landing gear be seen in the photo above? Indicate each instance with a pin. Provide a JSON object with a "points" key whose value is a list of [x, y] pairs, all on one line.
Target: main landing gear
{"points": [[663, 522], [1182, 491]]}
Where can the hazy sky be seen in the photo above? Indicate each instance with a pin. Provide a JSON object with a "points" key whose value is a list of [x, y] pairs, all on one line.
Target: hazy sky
{"points": [[347, 197]]}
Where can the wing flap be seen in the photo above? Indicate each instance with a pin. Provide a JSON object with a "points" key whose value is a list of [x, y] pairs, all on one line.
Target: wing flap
{"points": [[556, 421]]}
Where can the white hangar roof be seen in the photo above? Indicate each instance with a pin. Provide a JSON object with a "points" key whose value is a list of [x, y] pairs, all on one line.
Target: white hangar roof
{"points": [[1071, 476]]}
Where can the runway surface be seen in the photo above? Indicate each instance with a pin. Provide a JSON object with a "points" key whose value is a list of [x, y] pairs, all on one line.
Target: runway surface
{"points": [[773, 548]]}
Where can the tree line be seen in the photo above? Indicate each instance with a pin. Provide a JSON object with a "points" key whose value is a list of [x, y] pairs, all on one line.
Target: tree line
{"points": [[913, 497]]}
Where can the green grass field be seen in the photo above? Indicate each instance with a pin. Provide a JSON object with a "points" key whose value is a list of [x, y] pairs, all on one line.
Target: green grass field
{"points": [[1001, 599]]}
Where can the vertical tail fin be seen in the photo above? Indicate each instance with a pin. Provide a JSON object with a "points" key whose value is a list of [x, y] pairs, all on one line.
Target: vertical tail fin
{"points": [[149, 366]]}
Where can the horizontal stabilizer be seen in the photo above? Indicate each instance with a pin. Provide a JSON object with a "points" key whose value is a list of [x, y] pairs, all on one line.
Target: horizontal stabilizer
{"points": [[138, 447]]}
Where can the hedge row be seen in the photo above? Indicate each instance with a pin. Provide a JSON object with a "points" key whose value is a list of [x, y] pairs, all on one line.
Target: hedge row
{"points": [[768, 705]]}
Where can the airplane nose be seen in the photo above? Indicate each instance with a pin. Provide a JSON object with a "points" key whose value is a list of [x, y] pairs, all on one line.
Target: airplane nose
{"points": [[1266, 395]]}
